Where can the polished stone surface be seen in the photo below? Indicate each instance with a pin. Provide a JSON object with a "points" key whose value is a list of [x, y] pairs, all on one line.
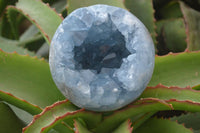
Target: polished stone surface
{"points": [[101, 57]]}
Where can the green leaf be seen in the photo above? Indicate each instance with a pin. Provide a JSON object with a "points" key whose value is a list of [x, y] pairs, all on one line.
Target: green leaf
{"points": [[79, 128], [20, 103], [166, 93], [142, 119], [21, 114], [43, 50], [59, 112], [60, 5], [125, 127], [34, 43], [177, 70], [143, 9], [10, 46], [140, 107], [195, 4], [29, 33], [190, 120], [171, 36], [41, 15], [155, 125], [171, 10], [4, 3], [160, 3], [28, 78], [49, 115], [6, 28], [9, 122], [74, 4], [192, 19], [185, 99], [13, 17], [92, 119]]}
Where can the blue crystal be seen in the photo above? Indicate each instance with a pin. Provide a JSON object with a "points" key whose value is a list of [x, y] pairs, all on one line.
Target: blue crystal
{"points": [[101, 57]]}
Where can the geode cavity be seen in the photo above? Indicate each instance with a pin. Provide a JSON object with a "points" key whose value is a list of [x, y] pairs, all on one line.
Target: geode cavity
{"points": [[101, 57]]}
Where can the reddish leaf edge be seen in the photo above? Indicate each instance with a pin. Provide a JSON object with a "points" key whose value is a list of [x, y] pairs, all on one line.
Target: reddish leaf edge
{"points": [[130, 128], [169, 119], [76, 126], [48, 108], [26, 55], [44, 129], [183, 124], [142, 103], [138, 103], [179, 53], [171, 87], [59, 14], [187, 30], [61, 118], [33, 21], [178, 104], [20, 103]]}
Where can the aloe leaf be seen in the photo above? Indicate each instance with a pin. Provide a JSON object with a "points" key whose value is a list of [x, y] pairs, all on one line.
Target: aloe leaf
{"points": [[11, 46], [92, 119], [4, 3], [139, 107], [171, 10], [74, 4], [166, 93], [177, 70], [143, 9], [12, 16], [28, 78], [79, 128], [155, 125], [171, 36], [60, 5], [195, 4], [29, 33], [190, 120], [5, 28], [9, 122], [33, 44], [59, 112], [38, 13], [160, 3], [125, 127], [26, 117], [43, 50], [20, 103], [192, 19], [186, 105], [48, 115], [181, 98], [142, 119]]}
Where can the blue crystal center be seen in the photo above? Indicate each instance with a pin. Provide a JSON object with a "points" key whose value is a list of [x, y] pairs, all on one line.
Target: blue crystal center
{"points": [[104, 47]]}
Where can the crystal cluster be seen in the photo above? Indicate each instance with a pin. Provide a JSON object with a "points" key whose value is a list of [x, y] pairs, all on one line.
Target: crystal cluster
{"points": [[101, 57]]}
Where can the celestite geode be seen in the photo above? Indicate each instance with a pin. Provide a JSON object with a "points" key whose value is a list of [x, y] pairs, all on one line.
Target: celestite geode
{"points": [[101, 57]]}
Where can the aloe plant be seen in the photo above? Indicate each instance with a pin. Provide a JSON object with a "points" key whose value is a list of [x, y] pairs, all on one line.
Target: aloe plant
{"points": [[31, 103]]}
